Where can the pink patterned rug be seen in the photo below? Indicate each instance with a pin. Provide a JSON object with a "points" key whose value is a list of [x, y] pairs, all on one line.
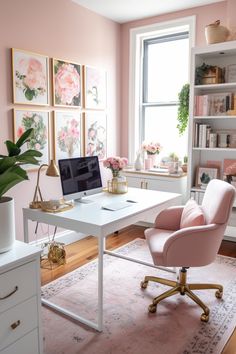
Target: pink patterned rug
{"points": [[128, 327]]}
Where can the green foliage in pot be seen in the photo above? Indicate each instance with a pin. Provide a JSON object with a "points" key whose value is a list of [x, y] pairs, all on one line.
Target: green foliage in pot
{"points": [[201, 71], [11, 171], [183, 109]]}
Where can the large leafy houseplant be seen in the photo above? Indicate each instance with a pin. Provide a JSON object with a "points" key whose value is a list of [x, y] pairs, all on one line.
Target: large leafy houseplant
{"points": [[183, 109], [11, 171]]}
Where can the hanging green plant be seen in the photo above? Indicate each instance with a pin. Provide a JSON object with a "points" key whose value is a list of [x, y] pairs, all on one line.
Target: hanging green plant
{"points": [[183, 109]]}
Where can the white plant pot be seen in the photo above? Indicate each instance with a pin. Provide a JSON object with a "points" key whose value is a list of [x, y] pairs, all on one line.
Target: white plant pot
{"points": [[7, 224]]}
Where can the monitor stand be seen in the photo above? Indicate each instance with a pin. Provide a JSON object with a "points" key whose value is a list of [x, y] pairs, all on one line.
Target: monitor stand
{"points": [[83, 201]]}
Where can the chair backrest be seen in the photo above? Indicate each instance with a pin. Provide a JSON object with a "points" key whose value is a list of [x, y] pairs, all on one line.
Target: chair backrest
{"points": [[218, 201]]}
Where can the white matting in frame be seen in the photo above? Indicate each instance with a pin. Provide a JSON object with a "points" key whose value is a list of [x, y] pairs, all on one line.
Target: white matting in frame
{"points": [[96, 134], [40, 141], [30, 78], [67, 134]]}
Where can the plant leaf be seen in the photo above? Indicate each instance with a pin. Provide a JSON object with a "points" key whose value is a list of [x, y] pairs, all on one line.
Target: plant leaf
{"points": [[34, 153], [24, 137], [10, 178], [6, 163], [26, 160], [12, 148]]}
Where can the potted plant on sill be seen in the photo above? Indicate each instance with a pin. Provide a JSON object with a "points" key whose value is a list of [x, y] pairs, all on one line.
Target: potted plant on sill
{"points": [[12, 173]]}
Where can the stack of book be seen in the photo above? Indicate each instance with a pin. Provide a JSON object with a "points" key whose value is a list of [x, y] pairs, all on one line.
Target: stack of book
{"points": [[203, 136], [214, 104]]}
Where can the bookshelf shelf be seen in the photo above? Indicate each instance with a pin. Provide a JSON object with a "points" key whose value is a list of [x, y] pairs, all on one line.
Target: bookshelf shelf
{"points": [[214, 87], [214, 117], [215, 149], [211, 129]]}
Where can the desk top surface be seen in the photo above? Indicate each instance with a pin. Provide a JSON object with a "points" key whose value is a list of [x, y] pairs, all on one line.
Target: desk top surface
{"points": [[94, 214]]}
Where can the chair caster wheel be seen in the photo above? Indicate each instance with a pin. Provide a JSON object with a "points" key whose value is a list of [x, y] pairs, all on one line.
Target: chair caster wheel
{"points": [[219, 294], [152, 308], [204, 317], [143, 284]]}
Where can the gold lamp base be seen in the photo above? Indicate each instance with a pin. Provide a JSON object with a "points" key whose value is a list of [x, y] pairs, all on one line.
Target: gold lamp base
{"points": [[184, 289]]}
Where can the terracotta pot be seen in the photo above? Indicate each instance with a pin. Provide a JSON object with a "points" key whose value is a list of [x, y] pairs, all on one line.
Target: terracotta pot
{"points": [[7, 222], [215, 33]]}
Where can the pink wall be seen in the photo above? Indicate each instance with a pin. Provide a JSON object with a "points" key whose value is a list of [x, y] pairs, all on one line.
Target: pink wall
{"points": [[204, 16], [64, 30]]}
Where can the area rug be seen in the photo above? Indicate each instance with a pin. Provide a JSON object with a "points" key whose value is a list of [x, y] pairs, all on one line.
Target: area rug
{"points": [[128, 327]]}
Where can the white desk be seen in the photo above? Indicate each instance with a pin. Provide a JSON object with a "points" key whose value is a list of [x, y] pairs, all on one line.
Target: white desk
{"points": [[92, 219]]}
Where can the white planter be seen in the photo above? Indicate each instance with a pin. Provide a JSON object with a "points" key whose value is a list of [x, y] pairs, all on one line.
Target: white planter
{"points": [[7, 224]]}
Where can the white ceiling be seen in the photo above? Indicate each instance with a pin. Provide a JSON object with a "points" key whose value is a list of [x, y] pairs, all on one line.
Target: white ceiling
{"points": [[128, 10]]}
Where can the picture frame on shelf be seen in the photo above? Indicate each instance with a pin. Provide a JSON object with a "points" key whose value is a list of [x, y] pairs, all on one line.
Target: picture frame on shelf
{"points": [[95, 134], [67, 83], [30, 78], [24, 119], [231, 73], [204, 175], [94, 88], [67, 134]]}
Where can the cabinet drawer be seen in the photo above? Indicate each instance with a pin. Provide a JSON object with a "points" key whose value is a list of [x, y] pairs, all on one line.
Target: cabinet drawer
{"points": [[23, 317], [21, 282], [26, 345]]}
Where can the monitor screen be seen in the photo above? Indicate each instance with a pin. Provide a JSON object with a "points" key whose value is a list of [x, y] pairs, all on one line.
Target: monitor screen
{"points": [[80, 177]]}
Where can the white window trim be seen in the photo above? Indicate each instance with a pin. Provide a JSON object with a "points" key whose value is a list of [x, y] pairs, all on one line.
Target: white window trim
{"points": [[137, 35]]}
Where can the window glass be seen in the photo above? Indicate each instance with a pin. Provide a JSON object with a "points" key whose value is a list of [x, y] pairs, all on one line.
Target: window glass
{"points": [[167, 69], [160, 125]]}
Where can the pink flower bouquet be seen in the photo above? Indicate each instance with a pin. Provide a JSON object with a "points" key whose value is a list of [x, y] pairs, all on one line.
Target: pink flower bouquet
{"points": [[116, 164], [151, 148]]}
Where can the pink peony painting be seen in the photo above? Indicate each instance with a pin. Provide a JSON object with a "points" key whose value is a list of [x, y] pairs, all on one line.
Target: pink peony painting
{"points": [[67, 132], [66, 83], [30, 78]]}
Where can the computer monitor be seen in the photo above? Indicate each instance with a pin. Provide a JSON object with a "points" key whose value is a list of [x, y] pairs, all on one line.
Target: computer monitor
{"points": [[80, 177]]}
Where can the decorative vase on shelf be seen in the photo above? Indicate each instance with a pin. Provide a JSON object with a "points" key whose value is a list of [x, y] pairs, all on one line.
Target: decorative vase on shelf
{"points": [[153, 160], [138, 164]]}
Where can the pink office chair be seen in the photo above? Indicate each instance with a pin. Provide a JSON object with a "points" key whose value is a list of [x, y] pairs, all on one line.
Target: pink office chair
{"points": [[190, 236]]}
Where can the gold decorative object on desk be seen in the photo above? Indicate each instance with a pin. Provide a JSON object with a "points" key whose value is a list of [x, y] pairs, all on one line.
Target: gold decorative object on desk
{"points": [[56, 206], [117, 186], [51, 171]]}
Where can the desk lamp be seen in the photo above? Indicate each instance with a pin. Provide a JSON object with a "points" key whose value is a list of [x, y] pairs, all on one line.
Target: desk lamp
{"points": [[52, 171]]}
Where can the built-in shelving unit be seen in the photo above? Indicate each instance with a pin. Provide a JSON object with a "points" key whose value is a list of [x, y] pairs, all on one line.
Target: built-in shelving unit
{"points": [[221, 55]]}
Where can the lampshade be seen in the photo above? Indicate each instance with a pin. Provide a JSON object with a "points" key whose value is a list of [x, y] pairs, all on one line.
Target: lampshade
{"points": [[52, 169]]}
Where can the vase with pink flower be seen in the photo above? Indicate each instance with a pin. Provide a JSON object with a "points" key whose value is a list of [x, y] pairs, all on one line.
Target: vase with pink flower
{"points": [[118, 183], [152, 149]]}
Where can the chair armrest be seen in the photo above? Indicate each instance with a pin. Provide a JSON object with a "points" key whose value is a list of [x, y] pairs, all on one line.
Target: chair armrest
{"points": [[169, 218], [193, 246]]}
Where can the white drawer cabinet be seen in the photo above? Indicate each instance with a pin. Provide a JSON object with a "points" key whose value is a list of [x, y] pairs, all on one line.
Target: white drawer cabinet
{"points": [[157, 182], [20, 301]]}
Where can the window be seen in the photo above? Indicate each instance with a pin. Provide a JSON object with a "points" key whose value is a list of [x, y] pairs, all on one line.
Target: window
{"points": [[165, 71], [159, 67]]}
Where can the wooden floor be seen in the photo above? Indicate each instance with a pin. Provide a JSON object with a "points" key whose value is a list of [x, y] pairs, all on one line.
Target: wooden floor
{"points": [[85, 250]]}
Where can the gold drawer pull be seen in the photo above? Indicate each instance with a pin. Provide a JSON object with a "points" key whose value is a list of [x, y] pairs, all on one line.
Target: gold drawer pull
{"points": [[13, 292], [15, 324]]}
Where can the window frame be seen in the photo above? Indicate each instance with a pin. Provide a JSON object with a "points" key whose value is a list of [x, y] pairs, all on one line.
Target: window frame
{"points": [[137, 37]]}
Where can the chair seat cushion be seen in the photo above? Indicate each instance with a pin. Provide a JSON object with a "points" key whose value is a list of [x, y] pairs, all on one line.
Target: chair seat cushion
{"points": [[192, 215], [156, 239]]}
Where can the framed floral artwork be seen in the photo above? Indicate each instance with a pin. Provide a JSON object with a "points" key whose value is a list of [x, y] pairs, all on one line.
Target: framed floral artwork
{"points": [[30, 78], [95, 134], [67, 134], [66, 83], [204, 175], [39, 120], [95, 88]]}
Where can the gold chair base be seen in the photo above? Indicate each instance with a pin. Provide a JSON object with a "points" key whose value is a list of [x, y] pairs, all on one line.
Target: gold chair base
{"points": [[183, 288]]}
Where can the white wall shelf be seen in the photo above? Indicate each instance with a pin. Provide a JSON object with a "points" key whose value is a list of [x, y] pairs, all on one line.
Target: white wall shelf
{"points": [[221, 55]]}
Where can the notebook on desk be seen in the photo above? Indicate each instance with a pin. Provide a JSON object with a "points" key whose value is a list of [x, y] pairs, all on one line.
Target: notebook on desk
{"points": [[116, 205]]}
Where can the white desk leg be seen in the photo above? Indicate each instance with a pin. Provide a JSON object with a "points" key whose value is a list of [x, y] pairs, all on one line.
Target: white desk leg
{"points": [[26, 228], [100, 282]]}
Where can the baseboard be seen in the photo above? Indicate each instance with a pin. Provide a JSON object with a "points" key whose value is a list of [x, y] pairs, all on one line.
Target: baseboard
{"points": [[65, 237]]}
